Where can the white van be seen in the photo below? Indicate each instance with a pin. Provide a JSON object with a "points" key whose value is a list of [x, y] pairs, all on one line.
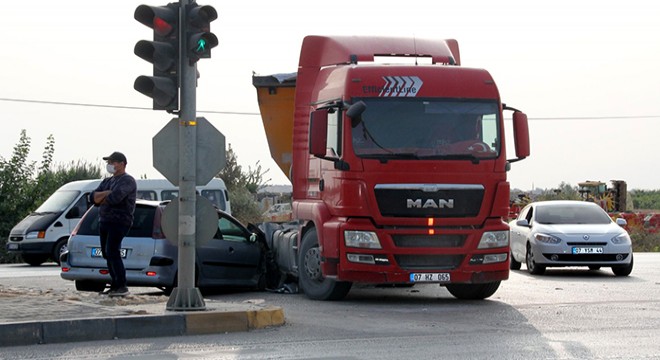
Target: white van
{"points": [[43, 234]]}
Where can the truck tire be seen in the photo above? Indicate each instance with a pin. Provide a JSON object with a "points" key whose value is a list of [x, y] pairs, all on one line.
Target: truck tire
{"points": [[34, 259], [58, 249], [311, 279], [473, 291], [514, 265]]}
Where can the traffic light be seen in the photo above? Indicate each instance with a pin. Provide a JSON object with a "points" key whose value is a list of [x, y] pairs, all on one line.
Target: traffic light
{"points": [[200, 39], [163, 53]]}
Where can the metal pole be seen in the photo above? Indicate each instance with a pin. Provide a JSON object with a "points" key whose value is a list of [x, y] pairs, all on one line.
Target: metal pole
{"points": [[186, 296]]}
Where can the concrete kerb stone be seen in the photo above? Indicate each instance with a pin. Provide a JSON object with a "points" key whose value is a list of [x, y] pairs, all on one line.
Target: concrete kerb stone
{"points": [[143, 326]]}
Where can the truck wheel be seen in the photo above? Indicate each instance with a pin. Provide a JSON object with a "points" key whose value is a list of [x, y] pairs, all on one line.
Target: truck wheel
{"points": [[34, 259], [89, 285], [60, 247], [623, 270], [532, 267], [311, 280], [514, 265], [473, 291]]}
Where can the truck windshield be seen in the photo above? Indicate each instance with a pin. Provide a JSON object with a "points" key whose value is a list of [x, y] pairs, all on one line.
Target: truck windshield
{"points": [[400, 128], [58, 202]]}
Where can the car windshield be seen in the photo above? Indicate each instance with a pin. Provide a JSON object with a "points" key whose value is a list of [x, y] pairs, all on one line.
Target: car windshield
{"points": [[414, 128], [571, 214], [58, 202]]}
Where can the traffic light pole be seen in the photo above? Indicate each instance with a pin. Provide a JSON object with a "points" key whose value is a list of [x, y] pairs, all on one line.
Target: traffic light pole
{"points": [[186, 296]]}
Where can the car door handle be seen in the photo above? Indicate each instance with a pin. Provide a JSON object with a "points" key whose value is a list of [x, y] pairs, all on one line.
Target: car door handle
{"points": [[231, 250]]}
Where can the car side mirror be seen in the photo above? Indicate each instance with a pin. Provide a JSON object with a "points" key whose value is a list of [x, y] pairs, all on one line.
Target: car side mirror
{"points": [[621, 222], [522, 222], [253, 238]]}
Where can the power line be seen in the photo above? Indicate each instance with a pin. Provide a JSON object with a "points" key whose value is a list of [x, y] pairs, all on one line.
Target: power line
{"points": [[256, 114], [116, 106]]}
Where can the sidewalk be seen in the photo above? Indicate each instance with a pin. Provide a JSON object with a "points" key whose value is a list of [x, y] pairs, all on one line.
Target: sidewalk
{"points": [[30, 316]]}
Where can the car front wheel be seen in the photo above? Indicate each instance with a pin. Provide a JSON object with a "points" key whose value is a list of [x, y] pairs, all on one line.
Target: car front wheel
{"points": [[532, 267], [623, 270], [514, 265]]}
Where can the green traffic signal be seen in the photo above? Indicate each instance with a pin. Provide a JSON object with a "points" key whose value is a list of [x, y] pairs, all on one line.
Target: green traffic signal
{"points": [[201, 46]]}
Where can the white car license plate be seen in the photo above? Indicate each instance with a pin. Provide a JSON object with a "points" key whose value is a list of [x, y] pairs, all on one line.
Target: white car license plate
{"points": [[587, 250], [12, 246], [96, 252], [430, 277]]}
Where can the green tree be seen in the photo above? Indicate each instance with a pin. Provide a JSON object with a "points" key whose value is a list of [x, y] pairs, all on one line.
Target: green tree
{"points": [[22, 191], [243, 187]]}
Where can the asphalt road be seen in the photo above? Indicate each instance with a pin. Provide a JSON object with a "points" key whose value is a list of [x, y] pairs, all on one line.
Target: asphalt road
{"points": [[566, 314]]}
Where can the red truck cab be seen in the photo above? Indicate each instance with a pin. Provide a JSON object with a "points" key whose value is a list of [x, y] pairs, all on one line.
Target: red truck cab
{"points": [[398, 170]]}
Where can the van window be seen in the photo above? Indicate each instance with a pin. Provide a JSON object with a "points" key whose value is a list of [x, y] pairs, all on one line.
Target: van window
{"points": [[79, 209], [217, 198], [147, 195], [169, 194], [59, 201]]}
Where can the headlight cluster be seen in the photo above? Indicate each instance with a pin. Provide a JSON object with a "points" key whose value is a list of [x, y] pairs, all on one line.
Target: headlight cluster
{"points": [[547, 239], [494, 239], [621, 239], [361, 239]]}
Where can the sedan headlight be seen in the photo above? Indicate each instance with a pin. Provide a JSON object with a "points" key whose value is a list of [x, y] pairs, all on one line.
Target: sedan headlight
{"points": [[361, 239], [547, 239], [494, 239], [621, 239]]}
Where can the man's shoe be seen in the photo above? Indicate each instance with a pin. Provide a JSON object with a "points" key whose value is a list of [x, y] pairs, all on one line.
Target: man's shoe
{"points": [[123, 291], [106, 291]]}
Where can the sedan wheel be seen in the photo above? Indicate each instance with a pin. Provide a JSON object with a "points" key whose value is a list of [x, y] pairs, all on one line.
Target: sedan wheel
{"points": [[532, 267], [514, 264]]}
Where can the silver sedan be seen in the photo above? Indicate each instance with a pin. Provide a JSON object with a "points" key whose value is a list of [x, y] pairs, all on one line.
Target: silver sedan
{"points": [[569, 233]]}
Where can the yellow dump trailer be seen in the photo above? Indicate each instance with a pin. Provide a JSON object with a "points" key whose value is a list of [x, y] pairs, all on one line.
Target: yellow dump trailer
{"points": [[276, 95]]}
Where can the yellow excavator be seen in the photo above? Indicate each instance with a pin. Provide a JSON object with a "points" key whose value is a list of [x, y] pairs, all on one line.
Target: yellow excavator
{"points": [[610, 199]]}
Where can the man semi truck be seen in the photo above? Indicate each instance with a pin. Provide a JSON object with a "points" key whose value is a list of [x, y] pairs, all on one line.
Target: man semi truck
{"points": [[398, 170]]}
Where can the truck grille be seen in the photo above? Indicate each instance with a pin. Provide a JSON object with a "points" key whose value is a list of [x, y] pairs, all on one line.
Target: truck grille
{"points": [[421, 262], [429, 241], [429, 200]]}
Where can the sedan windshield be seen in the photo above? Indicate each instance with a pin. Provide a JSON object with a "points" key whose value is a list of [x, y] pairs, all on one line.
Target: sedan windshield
{"points": [[414, 128], [571, 214]]}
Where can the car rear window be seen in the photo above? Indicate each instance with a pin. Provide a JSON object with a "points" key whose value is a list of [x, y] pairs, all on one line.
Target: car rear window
{"points": [[571, 214], [143, 222]]}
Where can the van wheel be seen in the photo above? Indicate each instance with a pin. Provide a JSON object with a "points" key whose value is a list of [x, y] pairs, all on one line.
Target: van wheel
{"points": [[34, 259], [311, 279], [60, 247]]}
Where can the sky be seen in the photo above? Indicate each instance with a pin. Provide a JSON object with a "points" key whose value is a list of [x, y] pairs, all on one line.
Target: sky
{"points": [[586, 73]]}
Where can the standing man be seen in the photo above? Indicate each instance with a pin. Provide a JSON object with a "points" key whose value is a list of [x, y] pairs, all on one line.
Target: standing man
{"points": [[116, 198]]}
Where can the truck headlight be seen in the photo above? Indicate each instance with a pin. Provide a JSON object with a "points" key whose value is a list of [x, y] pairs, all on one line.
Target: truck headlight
{"points": [[361, 239], [494, 239]]}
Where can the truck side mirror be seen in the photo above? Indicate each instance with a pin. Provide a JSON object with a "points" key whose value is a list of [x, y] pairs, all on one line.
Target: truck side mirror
{"points": [[521, 134], [355, 110], [318, 132]]}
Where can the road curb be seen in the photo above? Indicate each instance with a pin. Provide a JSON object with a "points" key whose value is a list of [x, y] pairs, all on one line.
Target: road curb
{"points": [[138, 326]]}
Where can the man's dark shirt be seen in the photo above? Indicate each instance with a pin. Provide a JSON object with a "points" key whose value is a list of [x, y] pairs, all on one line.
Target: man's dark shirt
{"points": [[119, 205]]}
